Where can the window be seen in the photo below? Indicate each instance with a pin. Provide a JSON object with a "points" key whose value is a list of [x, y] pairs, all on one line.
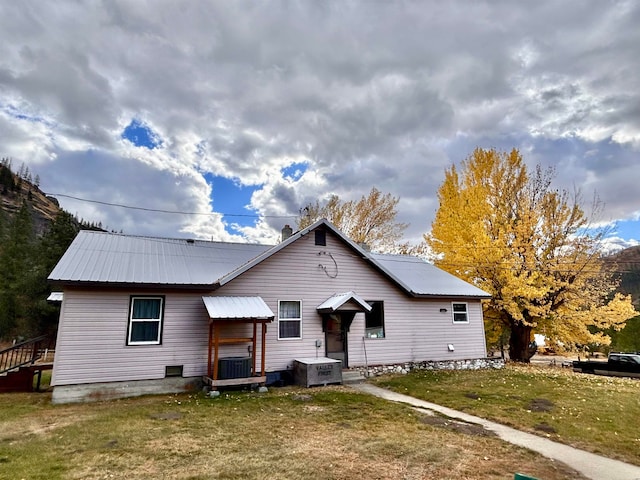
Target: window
{"points": [[321, 237], [460, 314], [289, 319], [374, 320], [173, 370], [145, 321]]}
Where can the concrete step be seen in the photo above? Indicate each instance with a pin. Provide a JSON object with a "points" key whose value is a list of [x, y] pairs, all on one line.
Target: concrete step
{"points": [[352, 376]]}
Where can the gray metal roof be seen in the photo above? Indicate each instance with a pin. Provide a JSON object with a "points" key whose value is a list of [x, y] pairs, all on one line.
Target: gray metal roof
{"points": [[106, 258], [237, 307], [424, 279], [334, 303], [99, 257]]}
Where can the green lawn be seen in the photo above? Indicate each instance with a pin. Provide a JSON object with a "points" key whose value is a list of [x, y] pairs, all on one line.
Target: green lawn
{"points": [[288, 433], [595, 413]]}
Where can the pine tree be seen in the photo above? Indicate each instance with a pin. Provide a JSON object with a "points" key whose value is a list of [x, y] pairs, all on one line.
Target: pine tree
{"points": [[16, 263]]}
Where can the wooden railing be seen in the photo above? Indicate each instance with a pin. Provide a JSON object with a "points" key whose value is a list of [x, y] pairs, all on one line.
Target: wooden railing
{"points": [[23, 353]]}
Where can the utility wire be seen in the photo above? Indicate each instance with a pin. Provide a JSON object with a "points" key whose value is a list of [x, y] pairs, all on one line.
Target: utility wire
{"points": [[176, 212]]}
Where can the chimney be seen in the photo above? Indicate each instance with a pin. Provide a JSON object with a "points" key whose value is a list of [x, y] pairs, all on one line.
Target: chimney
{"points": [[287, 231]]}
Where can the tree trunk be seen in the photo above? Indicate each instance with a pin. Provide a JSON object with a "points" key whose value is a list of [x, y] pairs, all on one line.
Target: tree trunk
{"points": [[520, 349]]}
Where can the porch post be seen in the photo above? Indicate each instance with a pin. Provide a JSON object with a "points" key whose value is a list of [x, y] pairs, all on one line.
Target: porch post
{"points": [[209, 365], [253, 350], [264, 335], [216, 344]]}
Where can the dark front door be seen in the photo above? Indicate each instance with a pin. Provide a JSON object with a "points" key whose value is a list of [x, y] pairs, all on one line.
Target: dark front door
{"points": [[336, 338]]}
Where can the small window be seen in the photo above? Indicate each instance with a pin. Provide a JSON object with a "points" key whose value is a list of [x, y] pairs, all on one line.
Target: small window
{"points": [[374, 320], [321, 237], [145, 321], [460, 314], [173, 371], [289, 319]]}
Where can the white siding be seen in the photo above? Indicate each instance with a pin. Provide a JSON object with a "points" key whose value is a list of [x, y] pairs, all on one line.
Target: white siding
{"points": [[92, 335]]}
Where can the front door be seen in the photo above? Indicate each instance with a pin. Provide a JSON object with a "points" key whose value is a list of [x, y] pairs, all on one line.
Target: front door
{"points": [[336, 338]]}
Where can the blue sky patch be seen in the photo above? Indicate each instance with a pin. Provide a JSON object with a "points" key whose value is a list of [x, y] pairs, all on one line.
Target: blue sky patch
{"points": [[294, 171], [626, 229], [226, 197], [141, 135]]}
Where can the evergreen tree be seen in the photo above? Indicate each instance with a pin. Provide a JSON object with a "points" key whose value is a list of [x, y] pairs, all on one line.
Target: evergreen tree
{"points": [[43, 317], [16, 264]]}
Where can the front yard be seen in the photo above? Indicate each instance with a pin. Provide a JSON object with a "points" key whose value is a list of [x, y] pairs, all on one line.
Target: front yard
{"points": [[288, 433]]}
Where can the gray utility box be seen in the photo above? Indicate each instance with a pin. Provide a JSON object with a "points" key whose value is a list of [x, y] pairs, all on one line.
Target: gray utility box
{"points": [[317, 371]]}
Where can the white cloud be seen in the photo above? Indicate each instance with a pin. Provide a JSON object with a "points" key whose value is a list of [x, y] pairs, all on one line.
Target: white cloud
{"points": [[384, 95]]}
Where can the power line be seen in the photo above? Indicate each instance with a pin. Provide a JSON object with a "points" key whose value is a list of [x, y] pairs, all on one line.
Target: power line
{"points": [[175, 212]]}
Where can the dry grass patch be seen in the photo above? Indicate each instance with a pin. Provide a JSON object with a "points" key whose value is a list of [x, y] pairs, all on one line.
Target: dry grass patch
{"points": [[330, 433]]}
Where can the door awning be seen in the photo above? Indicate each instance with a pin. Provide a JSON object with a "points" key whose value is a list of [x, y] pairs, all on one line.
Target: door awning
{"points": [[237, 308], [348, 301]]}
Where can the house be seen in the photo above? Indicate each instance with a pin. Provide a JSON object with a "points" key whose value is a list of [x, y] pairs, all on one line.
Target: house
{"points": [[149, 315]]}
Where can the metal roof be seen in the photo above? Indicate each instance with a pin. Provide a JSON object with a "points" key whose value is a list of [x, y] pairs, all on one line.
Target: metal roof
{"points": [[99, 257], [237, 307], [424, 279], [334, 303], [55, 297], [106, 258]]}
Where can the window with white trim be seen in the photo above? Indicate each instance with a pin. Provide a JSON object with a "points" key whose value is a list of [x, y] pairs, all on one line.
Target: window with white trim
{"points": [[374, 320], [460, 313], [145, 321], [289, 319]]}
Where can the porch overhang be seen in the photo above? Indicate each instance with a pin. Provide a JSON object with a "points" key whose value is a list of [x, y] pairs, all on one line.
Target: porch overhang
{"points": [[230, 310], [344, 302]]}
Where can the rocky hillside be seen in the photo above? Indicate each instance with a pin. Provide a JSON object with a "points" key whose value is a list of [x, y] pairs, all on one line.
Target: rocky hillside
{"points": [[18, 188], [628, 264]]}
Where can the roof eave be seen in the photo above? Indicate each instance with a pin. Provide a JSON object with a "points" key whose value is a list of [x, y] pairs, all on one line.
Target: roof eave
{"points": [[450, 295], [93, 284]]}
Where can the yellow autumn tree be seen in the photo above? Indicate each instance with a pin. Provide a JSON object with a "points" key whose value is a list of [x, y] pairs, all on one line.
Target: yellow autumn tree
{"points": [[370, 220], [532, 248]]}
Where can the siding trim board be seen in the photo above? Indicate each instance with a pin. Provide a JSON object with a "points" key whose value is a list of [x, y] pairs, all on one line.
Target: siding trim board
{"points": [[94, 319]]}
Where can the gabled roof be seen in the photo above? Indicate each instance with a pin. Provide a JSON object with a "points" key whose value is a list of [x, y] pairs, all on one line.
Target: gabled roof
{"points": [[337, 301], [112, 259]]}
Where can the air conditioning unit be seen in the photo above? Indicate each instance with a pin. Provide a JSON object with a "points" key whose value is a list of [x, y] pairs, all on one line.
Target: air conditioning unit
{"points": [[234, 367]]}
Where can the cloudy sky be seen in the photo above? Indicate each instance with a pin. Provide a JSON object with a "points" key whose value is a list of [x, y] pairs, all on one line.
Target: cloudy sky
{"points": [[240, 113]]}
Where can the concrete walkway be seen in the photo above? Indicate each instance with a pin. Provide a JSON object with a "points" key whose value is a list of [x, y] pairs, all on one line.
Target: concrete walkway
{"points": [[589, 464]]}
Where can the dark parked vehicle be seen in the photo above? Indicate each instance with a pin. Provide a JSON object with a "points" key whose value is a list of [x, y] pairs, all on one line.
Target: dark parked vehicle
{"points": [[618, 364]]}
